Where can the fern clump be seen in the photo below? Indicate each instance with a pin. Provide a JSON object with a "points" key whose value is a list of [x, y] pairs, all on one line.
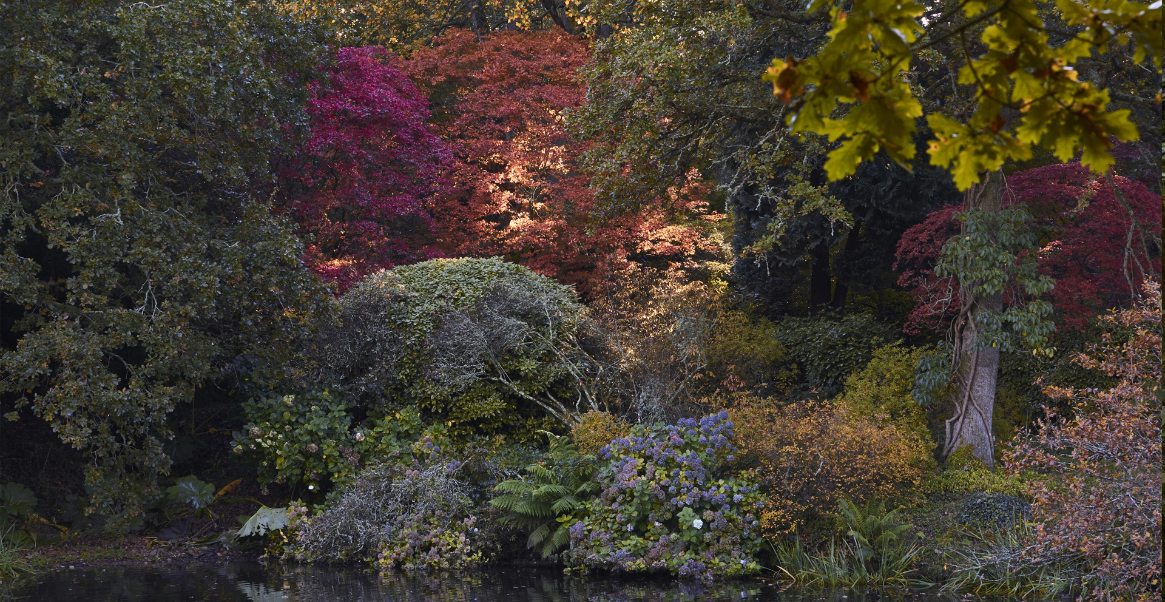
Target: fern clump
{"points": [[546, 499], [873, 551]]}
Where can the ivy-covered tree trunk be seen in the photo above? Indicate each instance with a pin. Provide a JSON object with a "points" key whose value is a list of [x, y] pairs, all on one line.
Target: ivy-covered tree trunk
{"points": [[976, 365]]}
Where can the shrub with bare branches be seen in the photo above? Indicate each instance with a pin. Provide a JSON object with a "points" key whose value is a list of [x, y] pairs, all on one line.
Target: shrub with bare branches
{"points": [[1100, 497]]}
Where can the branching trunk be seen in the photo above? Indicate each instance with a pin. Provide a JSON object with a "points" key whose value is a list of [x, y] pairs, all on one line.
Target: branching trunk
{"points": [[821, 280], [853, 241], [976, 368]]}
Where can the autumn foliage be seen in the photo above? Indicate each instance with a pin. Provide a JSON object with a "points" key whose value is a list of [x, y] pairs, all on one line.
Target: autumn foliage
{"points": [[1100, 497], [1084, 228], [516, 187], [811, 454], [358, 185]]}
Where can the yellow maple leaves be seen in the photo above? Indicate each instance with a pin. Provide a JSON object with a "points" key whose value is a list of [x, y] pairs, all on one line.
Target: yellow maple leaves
{"points": [[866, 64]]}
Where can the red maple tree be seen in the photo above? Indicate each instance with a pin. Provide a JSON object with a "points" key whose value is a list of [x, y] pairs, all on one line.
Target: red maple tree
{"points": [[517, 190], [1097, 254], [359, 183]]}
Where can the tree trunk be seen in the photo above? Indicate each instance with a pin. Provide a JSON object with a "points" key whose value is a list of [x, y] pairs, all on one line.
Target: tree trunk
{"points": [[853, 241], [821, 280], [976, 371]]}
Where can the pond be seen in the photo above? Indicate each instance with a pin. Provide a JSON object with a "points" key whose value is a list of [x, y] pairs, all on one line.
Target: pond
{"points": [[254, 582]]}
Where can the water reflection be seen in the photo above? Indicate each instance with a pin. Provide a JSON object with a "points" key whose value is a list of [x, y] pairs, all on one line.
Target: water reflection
{"points": [[253, 582]]}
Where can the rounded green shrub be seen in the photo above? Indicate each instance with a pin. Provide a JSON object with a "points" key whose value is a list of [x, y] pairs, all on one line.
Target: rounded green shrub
{"points": [[988, 510], [475, 344]]}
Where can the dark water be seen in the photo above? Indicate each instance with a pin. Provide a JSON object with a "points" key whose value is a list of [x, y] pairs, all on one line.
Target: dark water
{"points": [[253, 582]]}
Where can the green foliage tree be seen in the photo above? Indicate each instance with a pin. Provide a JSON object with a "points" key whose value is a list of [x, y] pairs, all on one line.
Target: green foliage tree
{"points": [[829, 350], [672, 92], [138, 260]]}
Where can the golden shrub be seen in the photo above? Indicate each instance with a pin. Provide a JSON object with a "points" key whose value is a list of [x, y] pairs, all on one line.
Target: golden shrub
{"points": [[810, 454], [885, 388], [596, 430]]}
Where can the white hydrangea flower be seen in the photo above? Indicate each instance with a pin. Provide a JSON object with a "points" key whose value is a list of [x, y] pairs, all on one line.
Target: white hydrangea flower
{"points": [[698, 524]]}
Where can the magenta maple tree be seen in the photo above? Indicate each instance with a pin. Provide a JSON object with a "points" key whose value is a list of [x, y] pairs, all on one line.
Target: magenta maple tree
{"points": [[359, 184], [516, 189], [1097, 254]]}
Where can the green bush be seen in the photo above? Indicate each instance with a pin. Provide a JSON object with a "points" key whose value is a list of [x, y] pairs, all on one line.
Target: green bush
{"points": [[16, 504], [964, 474], [476, 344], [310, 438], [829, 349]]}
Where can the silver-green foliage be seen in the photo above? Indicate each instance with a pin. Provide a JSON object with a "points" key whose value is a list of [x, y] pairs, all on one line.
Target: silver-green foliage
{"points": [[479, 343], [377, 506], [263, 521], [546, 498]]}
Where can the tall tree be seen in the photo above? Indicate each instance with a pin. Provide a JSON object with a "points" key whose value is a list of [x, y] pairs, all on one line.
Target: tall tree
{"points": [[674, 89], [359, 183], [138, 259], [975, 363], [517, 189]]}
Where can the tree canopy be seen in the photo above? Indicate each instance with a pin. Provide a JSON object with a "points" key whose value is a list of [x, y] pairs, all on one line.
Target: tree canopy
{"points": [[138, 259], [359, 184]]}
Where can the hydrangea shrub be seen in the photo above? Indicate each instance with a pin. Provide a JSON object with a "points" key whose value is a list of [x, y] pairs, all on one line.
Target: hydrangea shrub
{"points": [[432, 542], [668, 504]]}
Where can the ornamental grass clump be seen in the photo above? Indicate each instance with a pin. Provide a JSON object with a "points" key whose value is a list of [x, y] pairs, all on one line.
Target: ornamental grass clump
{"points": [[669, 504]]}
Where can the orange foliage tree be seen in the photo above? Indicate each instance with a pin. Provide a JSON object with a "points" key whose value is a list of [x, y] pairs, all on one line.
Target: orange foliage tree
{"points": [[518, 191], [1101, 495], [811, 454]]}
